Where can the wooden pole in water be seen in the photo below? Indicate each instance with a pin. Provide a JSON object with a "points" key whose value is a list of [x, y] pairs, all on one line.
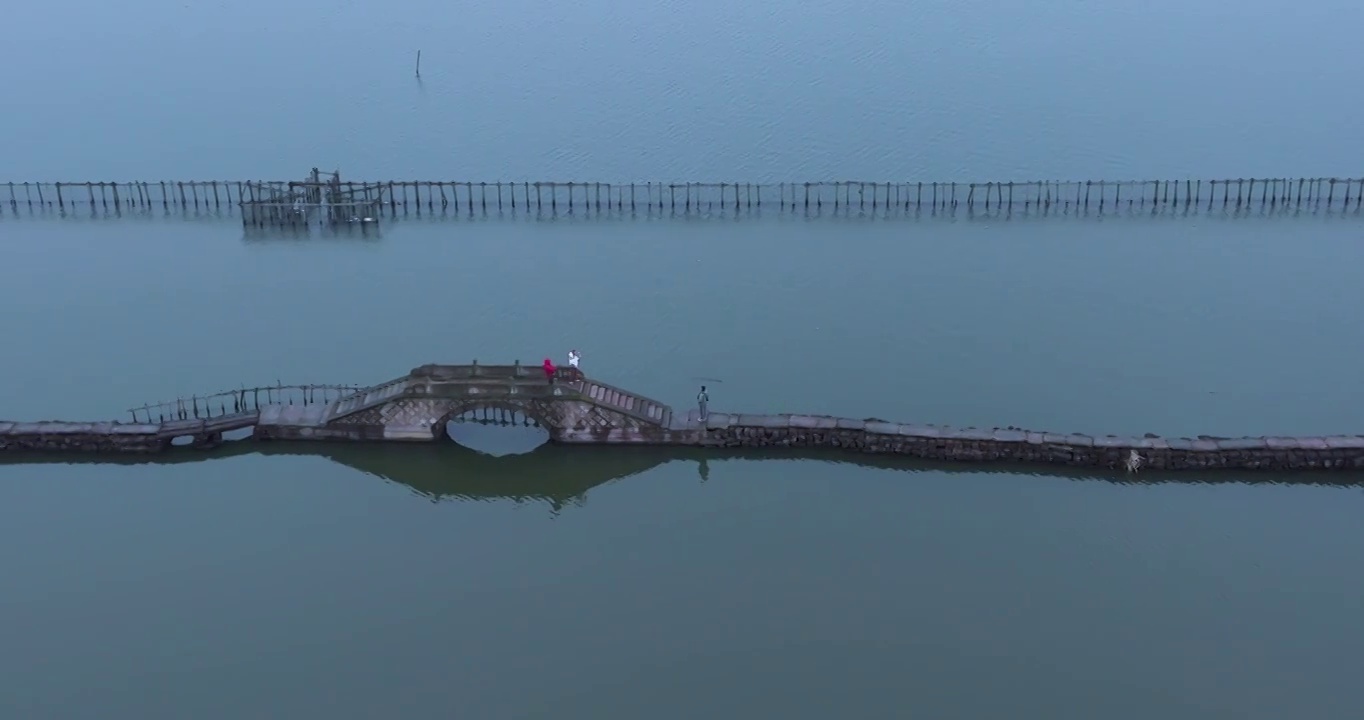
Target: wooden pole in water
{"points": [[419, 63]]}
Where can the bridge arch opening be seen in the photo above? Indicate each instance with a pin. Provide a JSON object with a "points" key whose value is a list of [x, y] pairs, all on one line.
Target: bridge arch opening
{"points": [[496, 430]]}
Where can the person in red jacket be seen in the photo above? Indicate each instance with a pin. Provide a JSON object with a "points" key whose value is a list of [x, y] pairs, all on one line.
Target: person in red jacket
{"points": [[549, 370]]}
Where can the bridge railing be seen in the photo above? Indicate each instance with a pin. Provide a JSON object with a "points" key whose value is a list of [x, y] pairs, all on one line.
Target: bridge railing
{"points": [[238, 402], [488, 378], [641, 402], [479, 371]]}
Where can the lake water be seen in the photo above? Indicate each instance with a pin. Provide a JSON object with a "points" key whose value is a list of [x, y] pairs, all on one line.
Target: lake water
{"points": [[345, 581]]}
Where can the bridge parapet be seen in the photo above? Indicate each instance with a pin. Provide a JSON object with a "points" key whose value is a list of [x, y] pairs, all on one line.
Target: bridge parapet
{"points": [[529, 381], [476, 372], [624, 401]]}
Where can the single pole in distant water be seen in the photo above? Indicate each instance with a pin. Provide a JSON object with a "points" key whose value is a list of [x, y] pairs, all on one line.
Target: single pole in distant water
{"points": [[419, 63]]}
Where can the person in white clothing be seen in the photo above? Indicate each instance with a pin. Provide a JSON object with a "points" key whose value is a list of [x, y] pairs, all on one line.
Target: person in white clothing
{"points": [[573, 358]]}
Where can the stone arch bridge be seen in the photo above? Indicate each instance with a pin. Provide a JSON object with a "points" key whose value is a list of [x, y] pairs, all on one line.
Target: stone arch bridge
{"points": [[573, 408]]}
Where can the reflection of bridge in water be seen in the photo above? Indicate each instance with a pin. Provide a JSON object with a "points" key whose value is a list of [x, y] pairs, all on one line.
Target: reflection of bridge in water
{"points": [[562, 477]]}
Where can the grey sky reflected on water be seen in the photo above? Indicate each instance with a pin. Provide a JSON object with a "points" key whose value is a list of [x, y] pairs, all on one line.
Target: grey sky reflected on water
{"points": [[418, 582]]}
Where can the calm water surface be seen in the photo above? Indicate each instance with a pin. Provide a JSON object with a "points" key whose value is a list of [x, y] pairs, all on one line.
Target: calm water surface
{"points": [[437, 581]]}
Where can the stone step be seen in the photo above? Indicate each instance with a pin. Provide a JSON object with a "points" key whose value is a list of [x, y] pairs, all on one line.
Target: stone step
{"points": [[628, 402], [368, 398]]}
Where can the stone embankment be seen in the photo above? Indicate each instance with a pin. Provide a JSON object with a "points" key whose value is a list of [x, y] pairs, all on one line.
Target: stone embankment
{"points": [[116, 437], [930, 442], [73, 437], [935, 442]]}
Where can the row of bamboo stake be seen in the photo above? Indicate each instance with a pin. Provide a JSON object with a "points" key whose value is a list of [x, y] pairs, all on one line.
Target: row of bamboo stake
{"points": [[556, 197]]}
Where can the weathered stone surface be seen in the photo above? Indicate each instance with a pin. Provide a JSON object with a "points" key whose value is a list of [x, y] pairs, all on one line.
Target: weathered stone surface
{"points": [[138, 429], [850, 424], [1242, 444], [883, 428], [1344, 442], [1312, 443], [923, 431], [1078, 440], [291, 414], [1009, 436], [1202, 445], [300, 415], [719, 421], [63, 428], [1112, 441], [182, 427]]}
